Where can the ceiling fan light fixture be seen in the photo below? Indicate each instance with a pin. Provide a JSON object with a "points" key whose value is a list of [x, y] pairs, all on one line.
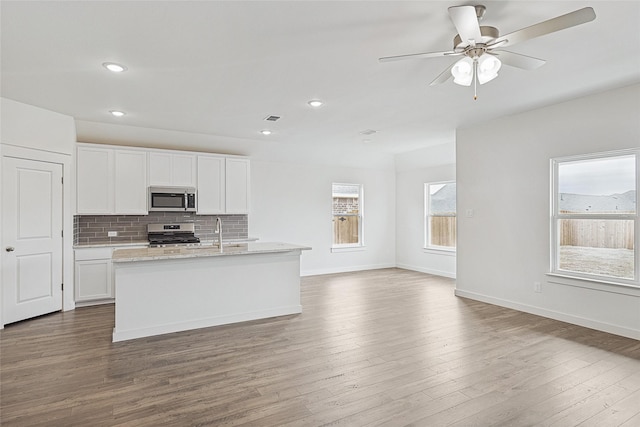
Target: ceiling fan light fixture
{"points": [[462, 71], [488, 67]]}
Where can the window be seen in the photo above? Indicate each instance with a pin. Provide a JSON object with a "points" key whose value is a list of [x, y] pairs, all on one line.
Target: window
{"points": [[347, 215], [440, 215], [595, 217]]}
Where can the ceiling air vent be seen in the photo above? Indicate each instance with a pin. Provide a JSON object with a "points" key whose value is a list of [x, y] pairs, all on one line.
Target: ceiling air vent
{"points": [[272, 118]]}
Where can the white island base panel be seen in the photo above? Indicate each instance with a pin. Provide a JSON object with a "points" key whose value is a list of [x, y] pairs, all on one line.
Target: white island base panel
{"points": [[162, 296]]}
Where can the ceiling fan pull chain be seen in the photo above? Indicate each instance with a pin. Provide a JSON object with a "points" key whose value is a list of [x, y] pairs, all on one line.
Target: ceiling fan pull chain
{"points": [[475, 79]]}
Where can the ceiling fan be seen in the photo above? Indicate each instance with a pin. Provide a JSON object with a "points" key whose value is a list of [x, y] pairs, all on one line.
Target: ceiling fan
{"points": [[482, 46]]}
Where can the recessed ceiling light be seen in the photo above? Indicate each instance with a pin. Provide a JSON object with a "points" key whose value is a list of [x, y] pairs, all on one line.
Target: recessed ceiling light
{"points": [[117, 113], [265, 132], [112, 66], [315, 103]]}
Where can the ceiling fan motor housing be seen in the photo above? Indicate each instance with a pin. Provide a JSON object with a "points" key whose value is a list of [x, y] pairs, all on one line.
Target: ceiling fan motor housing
{"points": [[488, 34]]}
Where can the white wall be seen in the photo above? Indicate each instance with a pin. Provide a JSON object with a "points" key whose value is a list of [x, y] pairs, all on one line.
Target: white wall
{"points": [[291, 202], [503, 174], [413, 170], [34, 133], [32, 127]]}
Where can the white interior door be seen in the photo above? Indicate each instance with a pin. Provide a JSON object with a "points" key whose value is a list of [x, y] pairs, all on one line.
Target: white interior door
{"points": [[32, 238]]}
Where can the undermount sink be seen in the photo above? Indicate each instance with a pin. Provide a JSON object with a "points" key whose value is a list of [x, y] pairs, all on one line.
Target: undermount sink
{"points": [[216, 246]]}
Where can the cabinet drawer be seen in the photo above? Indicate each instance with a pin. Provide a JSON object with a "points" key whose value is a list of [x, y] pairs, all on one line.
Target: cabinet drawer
{"points": [[93, 253]]}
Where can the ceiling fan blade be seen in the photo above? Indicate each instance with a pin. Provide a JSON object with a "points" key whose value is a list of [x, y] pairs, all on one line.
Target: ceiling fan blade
{"points": [[577, 17], [518, 60], [419, 55], [444, 76], [466, 21]]}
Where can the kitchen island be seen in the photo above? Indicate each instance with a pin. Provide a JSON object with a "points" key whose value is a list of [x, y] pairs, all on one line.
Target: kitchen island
{"points": [[164, 290]]}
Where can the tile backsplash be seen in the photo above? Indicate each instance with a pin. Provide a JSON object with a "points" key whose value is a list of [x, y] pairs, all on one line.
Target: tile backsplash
{"points": [[93, 229]]}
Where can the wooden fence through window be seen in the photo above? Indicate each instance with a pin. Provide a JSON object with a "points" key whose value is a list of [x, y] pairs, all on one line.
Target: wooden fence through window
{"points": [[596, 233], [443, 231], [345, 229]]}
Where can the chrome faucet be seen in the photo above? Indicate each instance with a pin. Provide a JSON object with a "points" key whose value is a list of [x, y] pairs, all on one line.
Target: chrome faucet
{"points": [[219, 228]]}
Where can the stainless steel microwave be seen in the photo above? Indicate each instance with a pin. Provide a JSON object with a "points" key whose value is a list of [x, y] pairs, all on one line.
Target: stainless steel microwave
{"points": [[175, 199]]}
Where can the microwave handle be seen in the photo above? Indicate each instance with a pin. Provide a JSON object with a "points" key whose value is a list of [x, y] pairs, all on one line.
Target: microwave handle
{"points": [[186, 201]]}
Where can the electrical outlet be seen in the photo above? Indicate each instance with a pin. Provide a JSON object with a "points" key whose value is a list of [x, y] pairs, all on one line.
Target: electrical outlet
{"points": [[537, 287], [112, 234]]}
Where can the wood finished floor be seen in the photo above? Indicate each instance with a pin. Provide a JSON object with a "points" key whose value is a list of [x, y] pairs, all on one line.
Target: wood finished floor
{"points": [[376, 348]]}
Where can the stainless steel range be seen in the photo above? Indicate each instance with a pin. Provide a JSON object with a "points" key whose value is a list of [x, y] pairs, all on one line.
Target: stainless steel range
{"points": [[162, 235]]}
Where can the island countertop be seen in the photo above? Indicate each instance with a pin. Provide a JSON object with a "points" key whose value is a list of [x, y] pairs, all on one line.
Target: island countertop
{"points": [[153, 254]]}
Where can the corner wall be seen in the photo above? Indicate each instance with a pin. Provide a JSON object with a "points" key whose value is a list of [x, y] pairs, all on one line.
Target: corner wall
{"points": [[413, 170], [291, 202], [503, 176]]}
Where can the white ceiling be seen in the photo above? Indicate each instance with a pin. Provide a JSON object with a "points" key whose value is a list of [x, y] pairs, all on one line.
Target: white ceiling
{"points": [[219, 68]]}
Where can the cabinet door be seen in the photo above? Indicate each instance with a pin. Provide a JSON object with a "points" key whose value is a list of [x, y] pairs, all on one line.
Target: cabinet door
{"points": [[174, 170], [93, 280], [237, 186], [130, 182], [211, 185], [94, 179], [159, 168], [183, 170]]}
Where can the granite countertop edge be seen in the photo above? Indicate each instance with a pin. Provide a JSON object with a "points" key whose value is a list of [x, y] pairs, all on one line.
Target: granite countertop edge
{"points": [[155, 254]]}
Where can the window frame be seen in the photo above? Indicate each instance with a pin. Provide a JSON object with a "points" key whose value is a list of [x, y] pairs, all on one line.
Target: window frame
{"points": [[555, 217], [427, 246], [349, 247]]}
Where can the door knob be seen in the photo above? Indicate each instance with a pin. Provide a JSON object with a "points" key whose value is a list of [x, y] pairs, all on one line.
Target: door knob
{"points": [[10, 249]]}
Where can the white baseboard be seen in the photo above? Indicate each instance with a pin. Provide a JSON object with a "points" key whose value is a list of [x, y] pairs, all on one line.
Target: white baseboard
{"points": [[120, 335], [428, 270], [347, 269], [81, 304], [575, 320]]}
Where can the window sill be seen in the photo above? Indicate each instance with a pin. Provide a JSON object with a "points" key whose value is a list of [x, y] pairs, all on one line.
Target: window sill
{"points": [[347, 248], [439, 251], [595, 284]]}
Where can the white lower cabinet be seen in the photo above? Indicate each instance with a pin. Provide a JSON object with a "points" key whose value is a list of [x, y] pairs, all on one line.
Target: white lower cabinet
{"points": [[94, 281]]}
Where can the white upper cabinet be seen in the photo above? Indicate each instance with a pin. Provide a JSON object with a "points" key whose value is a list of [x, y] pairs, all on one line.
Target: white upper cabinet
{"points": [[211, 185], [237, 188], [130, 197], [114, 180], [172, 169], [94, 180], [223, 185], [111, 181]]}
